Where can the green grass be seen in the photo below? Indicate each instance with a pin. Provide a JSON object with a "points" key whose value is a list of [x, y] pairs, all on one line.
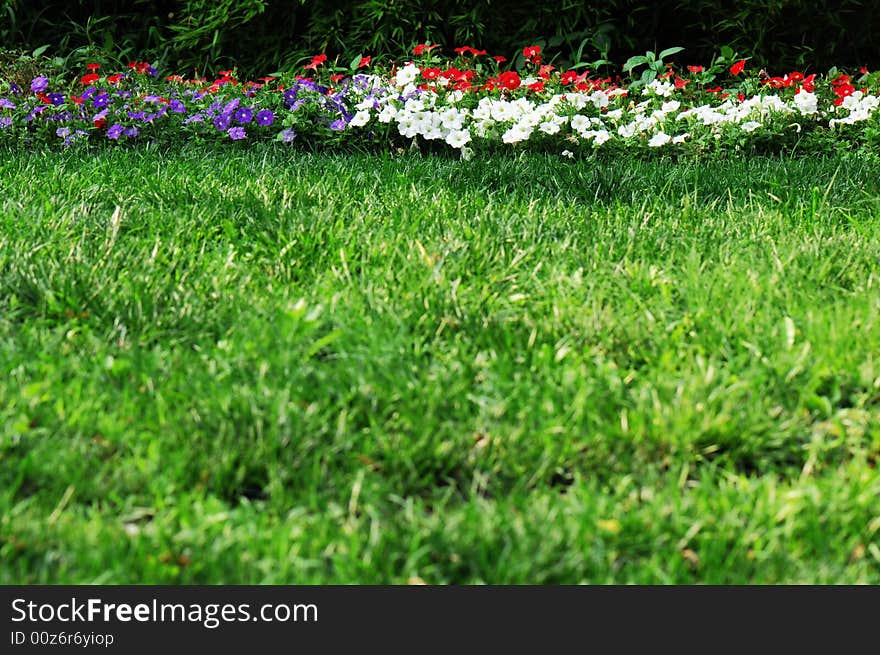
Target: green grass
{"points": [[263, 367]]}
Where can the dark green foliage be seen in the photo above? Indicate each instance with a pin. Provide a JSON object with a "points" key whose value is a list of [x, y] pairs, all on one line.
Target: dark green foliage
{"points": [[263, 35]]}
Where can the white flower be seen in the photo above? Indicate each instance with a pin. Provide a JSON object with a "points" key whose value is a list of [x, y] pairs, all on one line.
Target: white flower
{"points": [[680, 138], [549, 128], [360, 119], [406, 75], [458, 139], [660, 88], [751, 126], [806, 102], [659, 139], [387, 114], [568, 153], [626, 131], [580, 123], [600, 137]]}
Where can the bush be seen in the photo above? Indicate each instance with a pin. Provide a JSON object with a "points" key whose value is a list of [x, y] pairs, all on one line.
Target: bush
{"points": [[262, 35]]}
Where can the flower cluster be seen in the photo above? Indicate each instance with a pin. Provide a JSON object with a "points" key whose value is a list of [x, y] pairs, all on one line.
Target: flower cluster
{"points": [[466, 102]]}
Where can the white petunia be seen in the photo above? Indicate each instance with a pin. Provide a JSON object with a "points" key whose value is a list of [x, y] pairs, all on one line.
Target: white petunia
{"points": [[458, 139], [659, 139], [750, 126], [406, 75]]}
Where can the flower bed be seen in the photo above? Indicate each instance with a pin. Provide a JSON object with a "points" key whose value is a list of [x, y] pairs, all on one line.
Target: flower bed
{"points": [[469, 102]]}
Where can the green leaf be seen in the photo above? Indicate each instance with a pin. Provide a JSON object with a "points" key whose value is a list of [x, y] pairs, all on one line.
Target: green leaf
{"points": [[648, 76], [632, 62], [354, 62], [670, 51], [40, 50]]}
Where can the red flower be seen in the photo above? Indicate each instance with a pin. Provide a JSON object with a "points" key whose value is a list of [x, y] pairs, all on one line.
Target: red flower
{"points": [[317, 60], [531, 51], [680, 83], [77, 100], [93, 67], [89, 79], [44, 98], [431, 73], [537, 87], [863, 70], [422, 48], [808, 83], [463, 85], [738, 67], [571, 76], [544, 71], [101, 123], [740, 97], [714, 90], [113, 79], [509, 80], [467, 49], [174, 78], [695, 69], [336, 78], [499, 59], [365, 61]]}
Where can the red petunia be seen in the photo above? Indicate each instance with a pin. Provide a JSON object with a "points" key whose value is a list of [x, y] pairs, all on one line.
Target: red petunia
{"points": [[93, 67], [695, 69], [336, 78], [113, 79], [463, 50], [499, 59], [365, 61], [422, 48], [509, 80], [680, 83], [89, 79], [537, 87], [101, 123], [545, 71], [431, 73], [738, 67], [863, 70], [317, 60]]}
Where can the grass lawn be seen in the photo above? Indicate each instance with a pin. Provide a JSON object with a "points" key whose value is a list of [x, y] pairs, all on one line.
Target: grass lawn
{"points": [[257, 366]]}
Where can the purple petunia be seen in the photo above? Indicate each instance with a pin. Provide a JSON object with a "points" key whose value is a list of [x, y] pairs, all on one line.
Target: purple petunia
{"points": [[5, 122], [6, 104], [55, 98], [237, 133], [62, 132], [39, 84], [265, 117], [243, 115], [100, 101], [177, 106], [195, 118], [114, 131], [338, 125], [231, 106], [131, 132], [221, 123], [287, 135]]}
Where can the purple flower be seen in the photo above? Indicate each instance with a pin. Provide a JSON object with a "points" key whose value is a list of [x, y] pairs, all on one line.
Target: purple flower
{"points": [[6, 104], [152, 71], [14, 88], [221, 123], [195, 118], [136, 115], [114, 131], [5, 122], [55, 98], [178, 106], [131, 132], [39, 84], [338, 124], [265, 117], [243, 115], [237, 133], [151, 98], [290, 96], [231, 106], [63, 132], [287, 135], [100, 101]]}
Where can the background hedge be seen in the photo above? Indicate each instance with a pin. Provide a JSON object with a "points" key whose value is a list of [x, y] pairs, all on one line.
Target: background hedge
{"points": [[265, 35]]}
